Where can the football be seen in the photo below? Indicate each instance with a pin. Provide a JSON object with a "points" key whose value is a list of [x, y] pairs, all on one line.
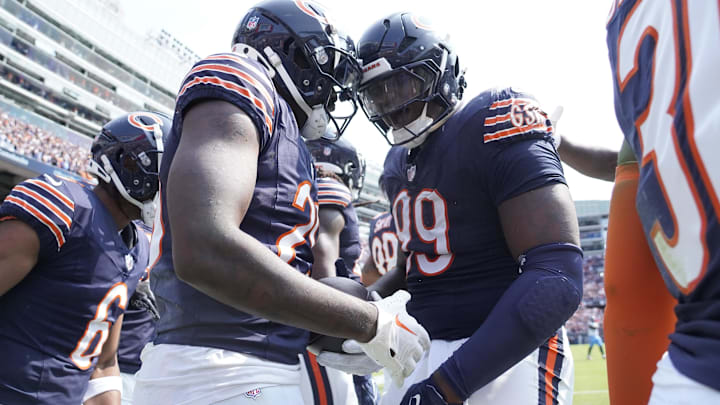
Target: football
{"points": [[331, 343]]}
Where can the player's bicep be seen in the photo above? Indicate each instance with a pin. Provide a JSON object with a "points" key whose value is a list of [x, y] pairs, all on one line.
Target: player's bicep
{"points": [[212, 176], [327, 246], [537, 217], [19, 249]]}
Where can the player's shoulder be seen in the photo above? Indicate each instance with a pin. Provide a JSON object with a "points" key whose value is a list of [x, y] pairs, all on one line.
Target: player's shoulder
{"points": [[394, 162], [229, 67], [237, 79], [333, 193], [503, 115], [54, 192], [49, 203]]}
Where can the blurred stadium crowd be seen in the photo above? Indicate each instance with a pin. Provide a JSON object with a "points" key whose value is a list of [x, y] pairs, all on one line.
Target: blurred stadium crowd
{"points": [[26, 139]]}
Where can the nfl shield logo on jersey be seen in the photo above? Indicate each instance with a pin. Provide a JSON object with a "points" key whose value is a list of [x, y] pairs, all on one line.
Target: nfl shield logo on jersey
{"points": [[129, 262], [411, 173], [252, 23], [254, 394]]}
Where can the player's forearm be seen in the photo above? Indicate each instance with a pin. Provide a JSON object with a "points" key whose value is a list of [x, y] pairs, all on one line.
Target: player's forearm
{"points": [[239, 271], [390, 282], [325, 253], [109, 393], [595, 162], [368, 272], [536, 305]]}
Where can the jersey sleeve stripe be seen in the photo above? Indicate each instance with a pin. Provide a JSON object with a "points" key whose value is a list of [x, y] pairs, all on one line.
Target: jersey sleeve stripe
{"points": [[261, 76], [328, 201], [216, 81], [240, 74], [42, 218], [494, 136], [7, 218], [510, 101], [498, 119], [52, 190], [335, 194], [41, 201], [332, 184]]}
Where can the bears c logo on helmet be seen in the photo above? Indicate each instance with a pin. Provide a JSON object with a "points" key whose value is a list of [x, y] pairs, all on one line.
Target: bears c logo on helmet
{"points": [[134, 121], [309, 8]]}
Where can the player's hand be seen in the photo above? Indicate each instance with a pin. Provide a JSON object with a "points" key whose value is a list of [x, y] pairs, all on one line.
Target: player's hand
{"points": [[423, 393], [353, 361], [143, 298], [400, 341]]}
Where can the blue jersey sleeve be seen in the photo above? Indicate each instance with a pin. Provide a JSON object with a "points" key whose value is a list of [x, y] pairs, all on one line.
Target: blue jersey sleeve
{"points": [[521, 167], [238, 80], [332, 193], [515, 153], [45, 204]]}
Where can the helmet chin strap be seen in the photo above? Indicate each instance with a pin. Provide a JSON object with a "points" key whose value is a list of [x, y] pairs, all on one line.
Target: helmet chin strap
{"points": [[422, 125], [108, 174], [317, 119], [408, 137]]}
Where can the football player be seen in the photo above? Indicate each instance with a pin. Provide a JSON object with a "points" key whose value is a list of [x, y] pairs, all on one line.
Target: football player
{"points": [[138, 328], [664, 60], [340, 178], [341, 173], [483, 212], [238, 219], [383, 246], [70, 259], [639, 315]]}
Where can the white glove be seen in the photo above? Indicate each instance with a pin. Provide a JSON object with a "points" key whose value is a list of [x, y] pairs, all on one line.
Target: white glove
{"points": [[354, 362], [554, 118], [400, 341]]}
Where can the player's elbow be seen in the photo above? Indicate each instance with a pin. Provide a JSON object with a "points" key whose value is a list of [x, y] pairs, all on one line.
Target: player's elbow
{"points": [[554, 274], [191, 258]]}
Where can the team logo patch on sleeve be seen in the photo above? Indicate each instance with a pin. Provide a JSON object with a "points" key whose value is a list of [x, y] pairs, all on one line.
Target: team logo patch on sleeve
{"points": [[513, 117]]}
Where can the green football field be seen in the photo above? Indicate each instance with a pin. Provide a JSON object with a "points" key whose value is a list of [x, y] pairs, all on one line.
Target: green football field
{"points": [[591, 386], [590, 377]]}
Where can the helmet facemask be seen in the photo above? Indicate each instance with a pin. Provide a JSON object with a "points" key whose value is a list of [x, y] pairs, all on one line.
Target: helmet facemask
{"points": [[327, 75], [397, 102]]}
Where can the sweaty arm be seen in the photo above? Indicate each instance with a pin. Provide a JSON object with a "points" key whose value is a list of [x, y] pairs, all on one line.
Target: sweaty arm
{"points": [[327, 246], [105, 382], [592, 161], [210, 186], [19, 249], [546, 293]]}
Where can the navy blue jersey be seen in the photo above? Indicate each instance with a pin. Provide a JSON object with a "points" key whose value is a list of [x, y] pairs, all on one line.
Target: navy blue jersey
{"points": [[334, 194], [383, 242], [445, 196], [56, 319], [138, 326], [664, 57], [282, 214]]}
